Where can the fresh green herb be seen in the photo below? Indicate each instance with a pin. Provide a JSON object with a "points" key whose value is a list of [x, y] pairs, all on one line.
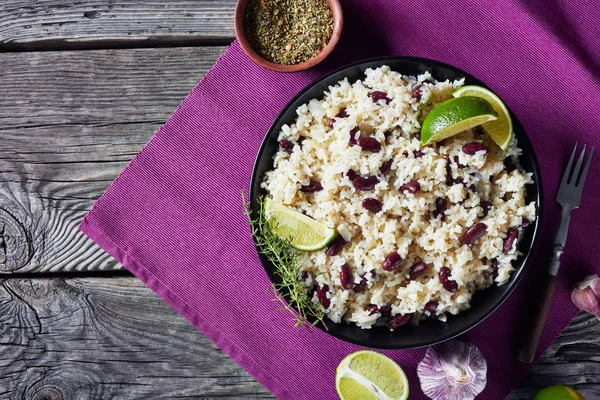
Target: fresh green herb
{"points": [[287, 268], [288, 31]]}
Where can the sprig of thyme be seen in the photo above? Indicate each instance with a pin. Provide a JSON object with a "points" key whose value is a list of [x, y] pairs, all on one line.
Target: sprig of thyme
{"points": [[287, 267]]}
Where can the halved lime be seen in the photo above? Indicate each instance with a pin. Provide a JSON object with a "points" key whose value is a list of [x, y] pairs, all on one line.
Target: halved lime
{"points": [[454, 116], [558, 392], [303, 232], [500, 130], [368, 375]]}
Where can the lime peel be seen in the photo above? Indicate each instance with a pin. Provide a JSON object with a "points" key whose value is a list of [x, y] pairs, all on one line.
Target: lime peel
{"points": [[500, 130], [302, 232], [454, 116], [370, 375]]}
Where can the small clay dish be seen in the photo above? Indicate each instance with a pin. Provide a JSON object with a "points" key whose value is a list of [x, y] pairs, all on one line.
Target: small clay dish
{"points": [[338, 21]]}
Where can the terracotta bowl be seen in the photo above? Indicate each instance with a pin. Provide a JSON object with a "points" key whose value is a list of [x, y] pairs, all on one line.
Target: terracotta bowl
{"points": [[338, 21]]}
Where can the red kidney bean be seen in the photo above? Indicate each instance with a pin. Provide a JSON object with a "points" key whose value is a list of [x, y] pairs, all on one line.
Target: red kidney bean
{"points": [[385, 311], [472, 148], [335, 246], [304, 275], [525, 222], [445, 280], [331, 122], [417, 270], [391, 261], [440, 207], [366, 184], [411, 187], [398, 320], [416, 93], [494, 265], [343, 113], [431, 307], [418, 153], [485, 206], [386, 166], [353, 133], [377, 95], [474, 233], [418, 135], [346, 277], [286, 146], [372, 205], [313, 186], [511, 236], [360, 286], [372, 309], [351, 174], [369, 144], [322, 296]]}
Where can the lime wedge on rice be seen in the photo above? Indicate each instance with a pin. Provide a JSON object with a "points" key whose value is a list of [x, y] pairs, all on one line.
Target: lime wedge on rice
{"points": [[304, 233], [500, 130], [454, 116], [368, 375]]}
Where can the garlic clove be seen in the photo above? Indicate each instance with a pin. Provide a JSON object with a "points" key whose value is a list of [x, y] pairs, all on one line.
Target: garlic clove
{"points": [[586, 295], [452, 370]]}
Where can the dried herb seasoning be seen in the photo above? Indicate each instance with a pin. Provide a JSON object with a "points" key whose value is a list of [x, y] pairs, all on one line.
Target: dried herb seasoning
{"points": [[288, 31]]}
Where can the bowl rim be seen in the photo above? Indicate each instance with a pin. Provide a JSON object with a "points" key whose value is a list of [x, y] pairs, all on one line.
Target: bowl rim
{"points": [[528, 149], [238, 21]]}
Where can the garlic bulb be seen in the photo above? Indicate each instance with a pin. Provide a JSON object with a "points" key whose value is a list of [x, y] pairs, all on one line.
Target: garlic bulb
{"points": [[586, 295], [453, 370]]}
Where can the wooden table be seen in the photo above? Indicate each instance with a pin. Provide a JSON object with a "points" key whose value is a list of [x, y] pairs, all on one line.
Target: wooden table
{"points": [[83, 86]]}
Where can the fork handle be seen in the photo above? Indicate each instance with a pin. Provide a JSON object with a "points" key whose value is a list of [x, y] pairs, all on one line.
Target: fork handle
{"points": [[531, 336]]}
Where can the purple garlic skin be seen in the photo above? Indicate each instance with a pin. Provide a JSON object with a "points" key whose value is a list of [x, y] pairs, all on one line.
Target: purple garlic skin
{"points": [[452, 370], [586, 295]]}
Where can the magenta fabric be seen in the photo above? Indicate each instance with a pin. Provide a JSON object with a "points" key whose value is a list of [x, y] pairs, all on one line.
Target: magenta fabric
{"points": [[173, 217]]}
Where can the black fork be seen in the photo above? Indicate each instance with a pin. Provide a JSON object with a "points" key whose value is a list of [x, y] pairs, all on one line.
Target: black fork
{"points": [[569, 197]]}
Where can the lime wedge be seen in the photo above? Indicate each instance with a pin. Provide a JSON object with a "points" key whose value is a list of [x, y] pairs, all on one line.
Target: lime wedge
{"points": [[454, 116], [368, 375], [303, 232], [558, 392], [500, 130]]}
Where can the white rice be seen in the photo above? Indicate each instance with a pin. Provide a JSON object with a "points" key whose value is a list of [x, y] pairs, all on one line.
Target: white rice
{"points": [[406, 223]]}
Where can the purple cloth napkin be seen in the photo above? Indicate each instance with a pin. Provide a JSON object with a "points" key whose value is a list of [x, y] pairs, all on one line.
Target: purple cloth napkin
{"points": [[173, 217]]}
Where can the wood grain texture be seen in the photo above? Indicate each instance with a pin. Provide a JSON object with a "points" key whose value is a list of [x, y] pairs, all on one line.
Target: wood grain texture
{"points": [[57, 24], [69, 123], [106, 339], [113, 338]]}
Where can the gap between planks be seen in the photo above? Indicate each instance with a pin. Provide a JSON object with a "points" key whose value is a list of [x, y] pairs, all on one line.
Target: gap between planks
{"points": [[115, 44]]}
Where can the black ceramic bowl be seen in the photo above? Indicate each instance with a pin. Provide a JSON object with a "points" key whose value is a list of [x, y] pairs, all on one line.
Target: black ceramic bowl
{"points": [[484, 302]]}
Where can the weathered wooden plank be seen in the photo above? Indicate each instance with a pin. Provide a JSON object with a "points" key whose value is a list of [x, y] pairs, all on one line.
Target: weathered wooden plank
{"points": [[56, 24], [105, 339], [99, 338], [69, 123]]}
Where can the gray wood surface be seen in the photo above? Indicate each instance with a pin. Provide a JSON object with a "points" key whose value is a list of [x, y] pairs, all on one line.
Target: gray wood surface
{"points": [[102, 338], [70, 120], [69, 123], [59, 24], [106, 338]]}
